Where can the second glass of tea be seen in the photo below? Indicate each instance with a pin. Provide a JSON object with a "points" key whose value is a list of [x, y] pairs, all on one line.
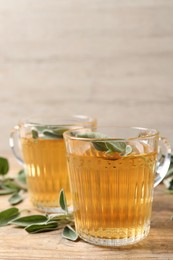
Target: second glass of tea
{"points": [[39, 146]]}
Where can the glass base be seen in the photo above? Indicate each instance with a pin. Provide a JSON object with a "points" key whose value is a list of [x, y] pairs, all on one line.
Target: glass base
{"points": [[109, 242]]}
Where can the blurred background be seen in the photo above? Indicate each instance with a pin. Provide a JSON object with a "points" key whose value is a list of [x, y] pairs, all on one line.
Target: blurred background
{"points": [[111, 59]]}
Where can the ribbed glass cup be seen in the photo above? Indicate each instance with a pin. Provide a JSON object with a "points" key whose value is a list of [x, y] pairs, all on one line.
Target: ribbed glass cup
{"points": [[112, 193], [39, 146]]}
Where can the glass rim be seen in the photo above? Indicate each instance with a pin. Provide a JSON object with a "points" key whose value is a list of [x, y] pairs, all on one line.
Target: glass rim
{"points": [[67, 120], [153, 133]]}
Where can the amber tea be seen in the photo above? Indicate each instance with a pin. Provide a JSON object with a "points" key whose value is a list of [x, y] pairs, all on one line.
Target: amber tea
{"points": [[125, 187], [112, 180], [45, 164]]}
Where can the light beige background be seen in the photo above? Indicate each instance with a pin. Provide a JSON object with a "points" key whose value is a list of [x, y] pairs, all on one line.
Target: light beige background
{"points": [[111, 59]]}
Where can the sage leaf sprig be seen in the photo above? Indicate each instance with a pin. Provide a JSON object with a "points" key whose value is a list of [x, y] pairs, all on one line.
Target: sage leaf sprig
{"points": [[4, 166], [63, 201], [52, 132], [14, 186], [15, 199], [55, 133], [69, 233], [28, 220], [45, 227], [107, 146], [42, 223], [34, 133], [8, 215]]}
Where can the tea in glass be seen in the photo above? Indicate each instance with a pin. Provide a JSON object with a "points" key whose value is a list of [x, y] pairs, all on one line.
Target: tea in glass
{"points": [[43, 155], [112, 183]]}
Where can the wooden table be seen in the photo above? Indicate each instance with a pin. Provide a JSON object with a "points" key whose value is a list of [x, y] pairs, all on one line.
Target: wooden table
{"points": [[17, 244]]}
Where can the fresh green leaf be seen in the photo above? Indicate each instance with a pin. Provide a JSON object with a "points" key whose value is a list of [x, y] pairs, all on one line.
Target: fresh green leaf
{"points": [[70, 233], [128, 150], [15, 199], [115, 146], [107, 146], [91, 135], [55, 133], [170, 185], [50, 133], [4, 166], [6, 191], [11, 184], [37, 228], [7, 215], [61, 217], [21, 176], [98, 145], [34, 134], [30, 220], [62, 201], [59, 131]]}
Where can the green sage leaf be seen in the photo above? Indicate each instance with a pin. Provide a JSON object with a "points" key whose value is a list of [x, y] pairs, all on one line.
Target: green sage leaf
{"points": [[6, 191], [59, 131], [15, 199], [107, 146], [65, 218], [4, 166], [37, 228], [128, 150], [62, 201], [119, 147], [55, 133], [69, 233], [170, 185], [21, 176], [91, 135], [7, 215], [34, 134], [29, 220], [98, 145], [50, 133], [11, 184]]}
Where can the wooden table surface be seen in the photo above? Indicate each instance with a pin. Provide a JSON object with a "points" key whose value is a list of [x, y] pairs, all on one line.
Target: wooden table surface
{"points": [[17, 244]]}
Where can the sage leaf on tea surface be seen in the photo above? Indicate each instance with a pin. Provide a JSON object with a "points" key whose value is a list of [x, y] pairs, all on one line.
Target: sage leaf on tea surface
{"points": [[7, 215], [37, 228], [99, 145], [69, 233], [62, 201], [34, 134], [4, 166], [55, 133], [128, 150], [28, 220], [15, 199], [107, 146], [91, 135], [116, 146]]}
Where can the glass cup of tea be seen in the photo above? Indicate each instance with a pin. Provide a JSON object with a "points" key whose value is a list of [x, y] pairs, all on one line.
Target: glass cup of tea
{"points": [[112, 172], [39, 146]]}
